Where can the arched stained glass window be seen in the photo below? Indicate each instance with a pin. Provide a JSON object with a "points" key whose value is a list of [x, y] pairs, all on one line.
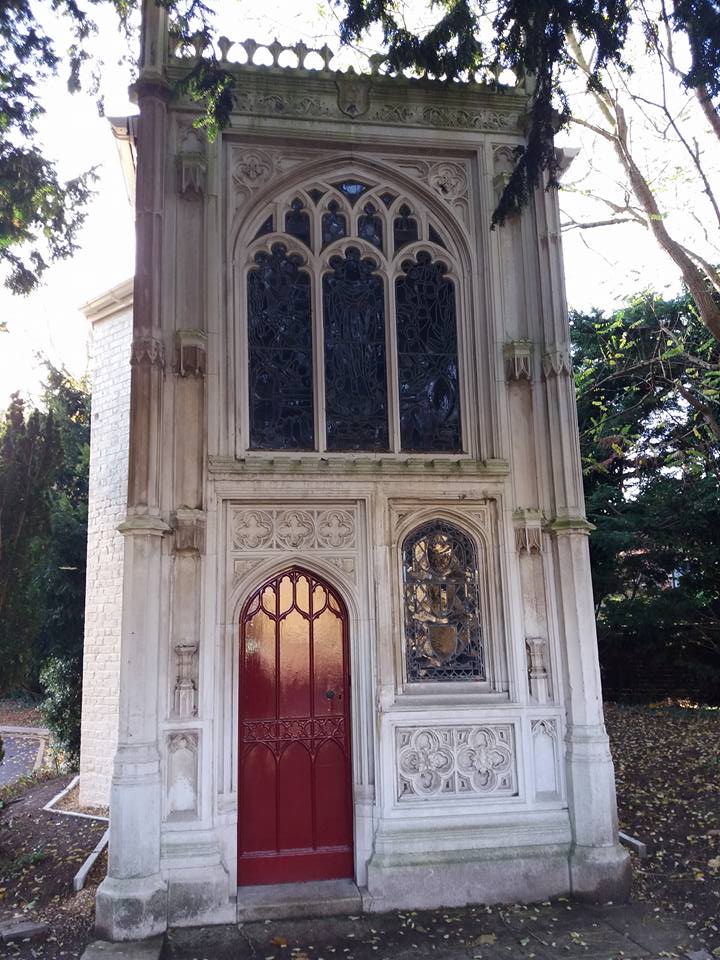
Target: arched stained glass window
{"points": [[280, 353], [443, 636], [354, 341], [427, 357]]}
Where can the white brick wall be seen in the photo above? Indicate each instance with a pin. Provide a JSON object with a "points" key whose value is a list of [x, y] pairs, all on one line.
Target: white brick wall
{"points": [[112, 334]]}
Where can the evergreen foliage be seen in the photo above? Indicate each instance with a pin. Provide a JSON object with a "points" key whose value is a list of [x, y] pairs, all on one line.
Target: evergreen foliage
{"points": [[648, 386], [44, 460]]}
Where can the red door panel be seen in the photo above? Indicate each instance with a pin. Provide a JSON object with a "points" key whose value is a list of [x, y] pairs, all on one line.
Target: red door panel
{"points": [[295, 800]]}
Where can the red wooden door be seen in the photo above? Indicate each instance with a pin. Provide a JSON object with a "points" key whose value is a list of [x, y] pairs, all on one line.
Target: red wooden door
{"points": [[294, 789]]}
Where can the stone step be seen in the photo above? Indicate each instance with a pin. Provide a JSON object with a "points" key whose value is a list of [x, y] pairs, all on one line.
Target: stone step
{"points": [[280, 901]]}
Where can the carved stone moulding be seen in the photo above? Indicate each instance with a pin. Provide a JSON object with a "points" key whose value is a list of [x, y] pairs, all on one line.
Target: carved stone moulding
{"points": [[185, 692], [528, 531], [189, 526], [434, 763], [190, 162], [556, 362], [518, 360], [538, 678], [191, 174], [353, 98], [293, 528], [147, 352], [190, 353]]}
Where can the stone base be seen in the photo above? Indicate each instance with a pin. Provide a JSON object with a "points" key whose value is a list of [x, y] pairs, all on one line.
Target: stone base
{"points": [[314, 898], [600, 874], [515, 875], [103, 950], [131, 909], [199, 895]]}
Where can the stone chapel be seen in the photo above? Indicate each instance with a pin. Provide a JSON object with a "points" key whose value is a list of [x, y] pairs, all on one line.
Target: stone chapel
{"points": [[340, 629]]}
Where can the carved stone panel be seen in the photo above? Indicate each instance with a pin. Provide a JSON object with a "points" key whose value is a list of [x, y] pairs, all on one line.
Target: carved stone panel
{"points": [[546, 755], [439, 762], [293, 528], [182, 776]]}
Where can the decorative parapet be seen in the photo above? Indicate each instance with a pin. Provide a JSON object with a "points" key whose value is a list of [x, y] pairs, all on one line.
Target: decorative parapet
{"points": [[528, 531], [518, 360], [311, 83], [299, 58]]}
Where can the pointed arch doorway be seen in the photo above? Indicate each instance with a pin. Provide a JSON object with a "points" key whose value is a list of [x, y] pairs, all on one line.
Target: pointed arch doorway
{"points": [[294, 770]]}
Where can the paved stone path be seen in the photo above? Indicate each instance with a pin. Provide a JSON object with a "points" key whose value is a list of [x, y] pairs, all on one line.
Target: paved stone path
{"points": [[21, 750], [562, 929]]}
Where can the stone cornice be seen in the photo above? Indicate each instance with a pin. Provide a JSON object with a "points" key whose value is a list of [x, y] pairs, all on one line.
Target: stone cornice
{"points": [[359, 467], [568, 525], [143, 524]]}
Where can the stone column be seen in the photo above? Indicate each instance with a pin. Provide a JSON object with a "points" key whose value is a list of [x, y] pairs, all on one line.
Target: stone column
{"points": [[599, 867], [132, 900]]}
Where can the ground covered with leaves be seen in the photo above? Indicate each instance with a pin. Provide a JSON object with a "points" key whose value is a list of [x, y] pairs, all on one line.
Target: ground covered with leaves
{"points": [[668, 776], [40, 853], [667, 768]]}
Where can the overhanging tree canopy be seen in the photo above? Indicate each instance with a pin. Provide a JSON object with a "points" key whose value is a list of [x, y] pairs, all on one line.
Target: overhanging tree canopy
{"points": [[40, 216]]}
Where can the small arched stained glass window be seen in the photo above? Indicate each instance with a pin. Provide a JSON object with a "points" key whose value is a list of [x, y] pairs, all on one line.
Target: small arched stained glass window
{"points": [[334, 224], [405, 228], [370, 226], [443, 635], [297, 222]]}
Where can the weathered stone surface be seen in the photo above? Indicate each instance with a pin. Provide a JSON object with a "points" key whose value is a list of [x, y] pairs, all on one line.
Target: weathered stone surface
{"points": [[13, 932], [137, 950]]}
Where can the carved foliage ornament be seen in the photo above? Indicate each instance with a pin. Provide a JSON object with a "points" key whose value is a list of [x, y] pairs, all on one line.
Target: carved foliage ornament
{"points": [[455, 761], [147, 352], [292, 529]]}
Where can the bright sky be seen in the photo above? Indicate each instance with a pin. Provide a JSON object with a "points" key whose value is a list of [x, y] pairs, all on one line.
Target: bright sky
{"points": [[602, 266]]}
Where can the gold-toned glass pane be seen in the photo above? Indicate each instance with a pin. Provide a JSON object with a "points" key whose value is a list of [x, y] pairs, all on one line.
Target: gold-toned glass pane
{"points": [[442, 605]]}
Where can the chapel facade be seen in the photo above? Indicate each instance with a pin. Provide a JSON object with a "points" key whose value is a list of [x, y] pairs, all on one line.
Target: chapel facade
{"points": [[356, 637]]}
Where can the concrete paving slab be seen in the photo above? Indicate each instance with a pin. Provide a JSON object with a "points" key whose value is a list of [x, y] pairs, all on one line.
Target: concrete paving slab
{"points": [[563, 929]]}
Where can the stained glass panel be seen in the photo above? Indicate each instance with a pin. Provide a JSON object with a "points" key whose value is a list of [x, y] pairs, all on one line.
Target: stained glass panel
{"points": [[297, 222], [352, 189], [427, 358], [265, 227], [435, 237], [405, 228], [334, 224], [354, 339], [443, 636], [370, 226], [280, 353]]}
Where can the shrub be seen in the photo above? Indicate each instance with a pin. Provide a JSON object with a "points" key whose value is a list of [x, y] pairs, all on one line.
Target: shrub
{"points": [[61, 679]]}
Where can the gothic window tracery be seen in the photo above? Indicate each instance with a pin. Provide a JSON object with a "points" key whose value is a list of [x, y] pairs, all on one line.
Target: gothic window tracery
{"points": [[441, 596], [351, 345]]}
